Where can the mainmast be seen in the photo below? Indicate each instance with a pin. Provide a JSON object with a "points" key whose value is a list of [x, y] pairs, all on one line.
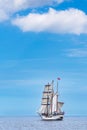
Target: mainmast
{"points": [[57, 98], [57, 86], [57, 94], [51, 100], [48, 100]]}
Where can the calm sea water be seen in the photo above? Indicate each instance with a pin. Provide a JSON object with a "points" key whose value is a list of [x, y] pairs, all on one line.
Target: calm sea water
{"points": [[35, 123]]}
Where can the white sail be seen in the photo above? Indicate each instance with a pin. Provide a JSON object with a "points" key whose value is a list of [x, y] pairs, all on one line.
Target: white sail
{"points": [[44, 101], [54, 103], [46, 94], [60, 104], [48, 88], [42, 109]]}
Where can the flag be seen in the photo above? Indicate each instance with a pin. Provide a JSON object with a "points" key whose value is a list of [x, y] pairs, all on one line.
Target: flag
{"points": [[58, 78]]}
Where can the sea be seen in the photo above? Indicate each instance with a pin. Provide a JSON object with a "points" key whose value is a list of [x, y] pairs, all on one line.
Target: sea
{"points": [[35, 123]]}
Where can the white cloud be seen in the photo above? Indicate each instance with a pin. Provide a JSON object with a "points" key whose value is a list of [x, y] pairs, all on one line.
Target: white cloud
{"points": [[3, 16], [9, 7], [77, 52], [67, 21]]}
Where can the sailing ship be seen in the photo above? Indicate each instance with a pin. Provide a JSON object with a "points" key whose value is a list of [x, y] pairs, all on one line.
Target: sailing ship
{"points": [[50, 106]]}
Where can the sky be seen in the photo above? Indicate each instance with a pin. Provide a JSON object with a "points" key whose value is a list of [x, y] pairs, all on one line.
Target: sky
{"points": [[41, 40]]}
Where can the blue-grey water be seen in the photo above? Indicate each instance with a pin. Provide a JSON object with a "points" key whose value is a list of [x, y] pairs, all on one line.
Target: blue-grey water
{"points": [[35, 123]]}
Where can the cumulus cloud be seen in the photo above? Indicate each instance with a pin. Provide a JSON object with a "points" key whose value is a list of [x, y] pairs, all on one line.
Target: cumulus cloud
{"points": [[9, 7], [67, 21], [3, 16]]}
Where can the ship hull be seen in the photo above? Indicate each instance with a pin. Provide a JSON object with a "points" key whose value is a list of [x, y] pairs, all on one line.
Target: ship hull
{"points": [[51, 118]]}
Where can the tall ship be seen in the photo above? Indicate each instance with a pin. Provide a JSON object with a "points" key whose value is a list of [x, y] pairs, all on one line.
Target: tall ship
{"points": [[50, 108]]}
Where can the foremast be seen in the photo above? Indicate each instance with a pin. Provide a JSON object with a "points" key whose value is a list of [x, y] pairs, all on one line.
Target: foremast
{"points": [[46, 103]]}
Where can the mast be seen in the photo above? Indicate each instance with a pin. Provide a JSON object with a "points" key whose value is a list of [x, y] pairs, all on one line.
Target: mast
{"points": [[57, 98], [57, 94], [52, 84], [57, 86], [48, 100], [52, 96]]}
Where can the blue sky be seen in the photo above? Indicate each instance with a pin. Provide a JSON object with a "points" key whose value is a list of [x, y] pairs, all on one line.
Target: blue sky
{"points": [[40, 41]]}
